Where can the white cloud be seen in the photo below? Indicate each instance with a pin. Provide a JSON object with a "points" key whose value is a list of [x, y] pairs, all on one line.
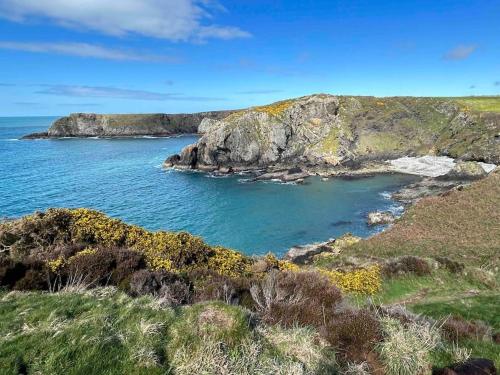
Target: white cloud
{"points": [[118, 93], [460, 52], [176, 20], [84, 50]]}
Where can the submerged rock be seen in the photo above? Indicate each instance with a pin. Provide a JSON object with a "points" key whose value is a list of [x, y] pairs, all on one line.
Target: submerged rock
{"points": [[380, 218]]}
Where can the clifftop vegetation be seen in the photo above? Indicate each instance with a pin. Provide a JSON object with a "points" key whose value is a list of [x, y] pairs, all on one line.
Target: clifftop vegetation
{"points": [[145, 302]]}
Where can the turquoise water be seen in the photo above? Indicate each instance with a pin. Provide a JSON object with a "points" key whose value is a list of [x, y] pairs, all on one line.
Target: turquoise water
{"points": [[124, 178]]}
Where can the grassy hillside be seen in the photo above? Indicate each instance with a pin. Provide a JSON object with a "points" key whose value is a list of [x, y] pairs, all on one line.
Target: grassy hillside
{"points": [[107, 332], [463, 226]]}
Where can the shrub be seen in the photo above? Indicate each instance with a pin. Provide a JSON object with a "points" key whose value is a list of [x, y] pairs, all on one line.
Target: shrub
{"points": [[170, 288], [11, 271], [209, 285], [228, 262], [363, 280], [450, 265], [406, 349], [127, 262], [282, 265], [34, 279], [405, 265], [59, 234], [94, 266], [456, 329], [354, 334], [94, 227], [169, 251], [291, 298], [39, 230]]}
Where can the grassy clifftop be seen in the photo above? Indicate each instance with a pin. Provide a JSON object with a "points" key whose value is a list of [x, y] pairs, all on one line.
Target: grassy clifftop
{"points": [[464, 225]]}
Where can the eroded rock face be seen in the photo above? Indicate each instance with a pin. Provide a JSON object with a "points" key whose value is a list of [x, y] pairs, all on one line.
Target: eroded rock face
{"points": [[97, 125], [326, 130]]}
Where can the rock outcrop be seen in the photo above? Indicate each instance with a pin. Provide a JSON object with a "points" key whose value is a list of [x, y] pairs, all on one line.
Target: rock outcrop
{"points": [[97, 125], [326, 130], [466, 170], [380, 218], [304, 254]]}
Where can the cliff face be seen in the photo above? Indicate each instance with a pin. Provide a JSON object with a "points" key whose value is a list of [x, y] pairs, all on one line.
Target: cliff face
{"points": [[331, 130], [96, 125]]}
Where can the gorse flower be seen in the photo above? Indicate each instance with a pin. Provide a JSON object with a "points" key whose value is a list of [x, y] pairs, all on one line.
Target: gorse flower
{"points": [[364, 280]]}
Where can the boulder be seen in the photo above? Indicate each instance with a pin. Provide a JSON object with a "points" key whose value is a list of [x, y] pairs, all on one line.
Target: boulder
{"points": [[380, 218], [473, 366], [466, 170], [172, 161]]}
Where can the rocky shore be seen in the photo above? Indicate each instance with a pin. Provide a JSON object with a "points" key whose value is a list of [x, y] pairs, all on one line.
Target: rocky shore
{"points": [[102, 125]]}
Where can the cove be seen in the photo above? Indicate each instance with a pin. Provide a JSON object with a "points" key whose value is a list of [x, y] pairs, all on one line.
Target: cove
{"points": [[124, 178]]}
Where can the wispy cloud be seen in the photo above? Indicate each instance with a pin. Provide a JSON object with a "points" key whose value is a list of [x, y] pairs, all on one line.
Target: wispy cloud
{"points": [[84, 50], [460, 52], [118, 93], [258, 92], [176, 20]]}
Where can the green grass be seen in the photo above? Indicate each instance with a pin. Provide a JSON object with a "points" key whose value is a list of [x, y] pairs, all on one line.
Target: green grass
{"points": [[106, 332], [482, 307], [481, 104]]}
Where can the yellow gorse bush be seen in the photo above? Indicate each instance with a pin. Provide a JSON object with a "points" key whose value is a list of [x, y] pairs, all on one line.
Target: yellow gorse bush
{"points": [[170, 251], [228, 262], [363, 281], [282, 265], [55, 264], [95, 227], [275, 109], [84, 252]]}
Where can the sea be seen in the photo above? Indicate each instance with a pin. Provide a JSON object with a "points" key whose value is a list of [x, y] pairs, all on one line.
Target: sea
{"points": [[124, 178]]}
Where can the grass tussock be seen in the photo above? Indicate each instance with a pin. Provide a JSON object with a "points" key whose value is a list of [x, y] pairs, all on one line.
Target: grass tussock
{"points": [[107, 332]]}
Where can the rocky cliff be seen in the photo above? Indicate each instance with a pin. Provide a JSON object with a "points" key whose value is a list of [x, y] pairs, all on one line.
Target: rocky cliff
{"points": [[327, 130], [97, 125]]}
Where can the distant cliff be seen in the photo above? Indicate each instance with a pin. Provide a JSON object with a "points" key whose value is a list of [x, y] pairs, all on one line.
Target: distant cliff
{"points": [[327, 130], [97, 125]]}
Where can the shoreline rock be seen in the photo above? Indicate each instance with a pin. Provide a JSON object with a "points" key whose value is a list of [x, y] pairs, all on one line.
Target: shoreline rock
{"points": [[303, 254], [380, 218]]}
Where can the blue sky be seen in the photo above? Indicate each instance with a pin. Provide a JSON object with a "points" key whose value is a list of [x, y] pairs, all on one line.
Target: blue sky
{"points": [[133, 56]]}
